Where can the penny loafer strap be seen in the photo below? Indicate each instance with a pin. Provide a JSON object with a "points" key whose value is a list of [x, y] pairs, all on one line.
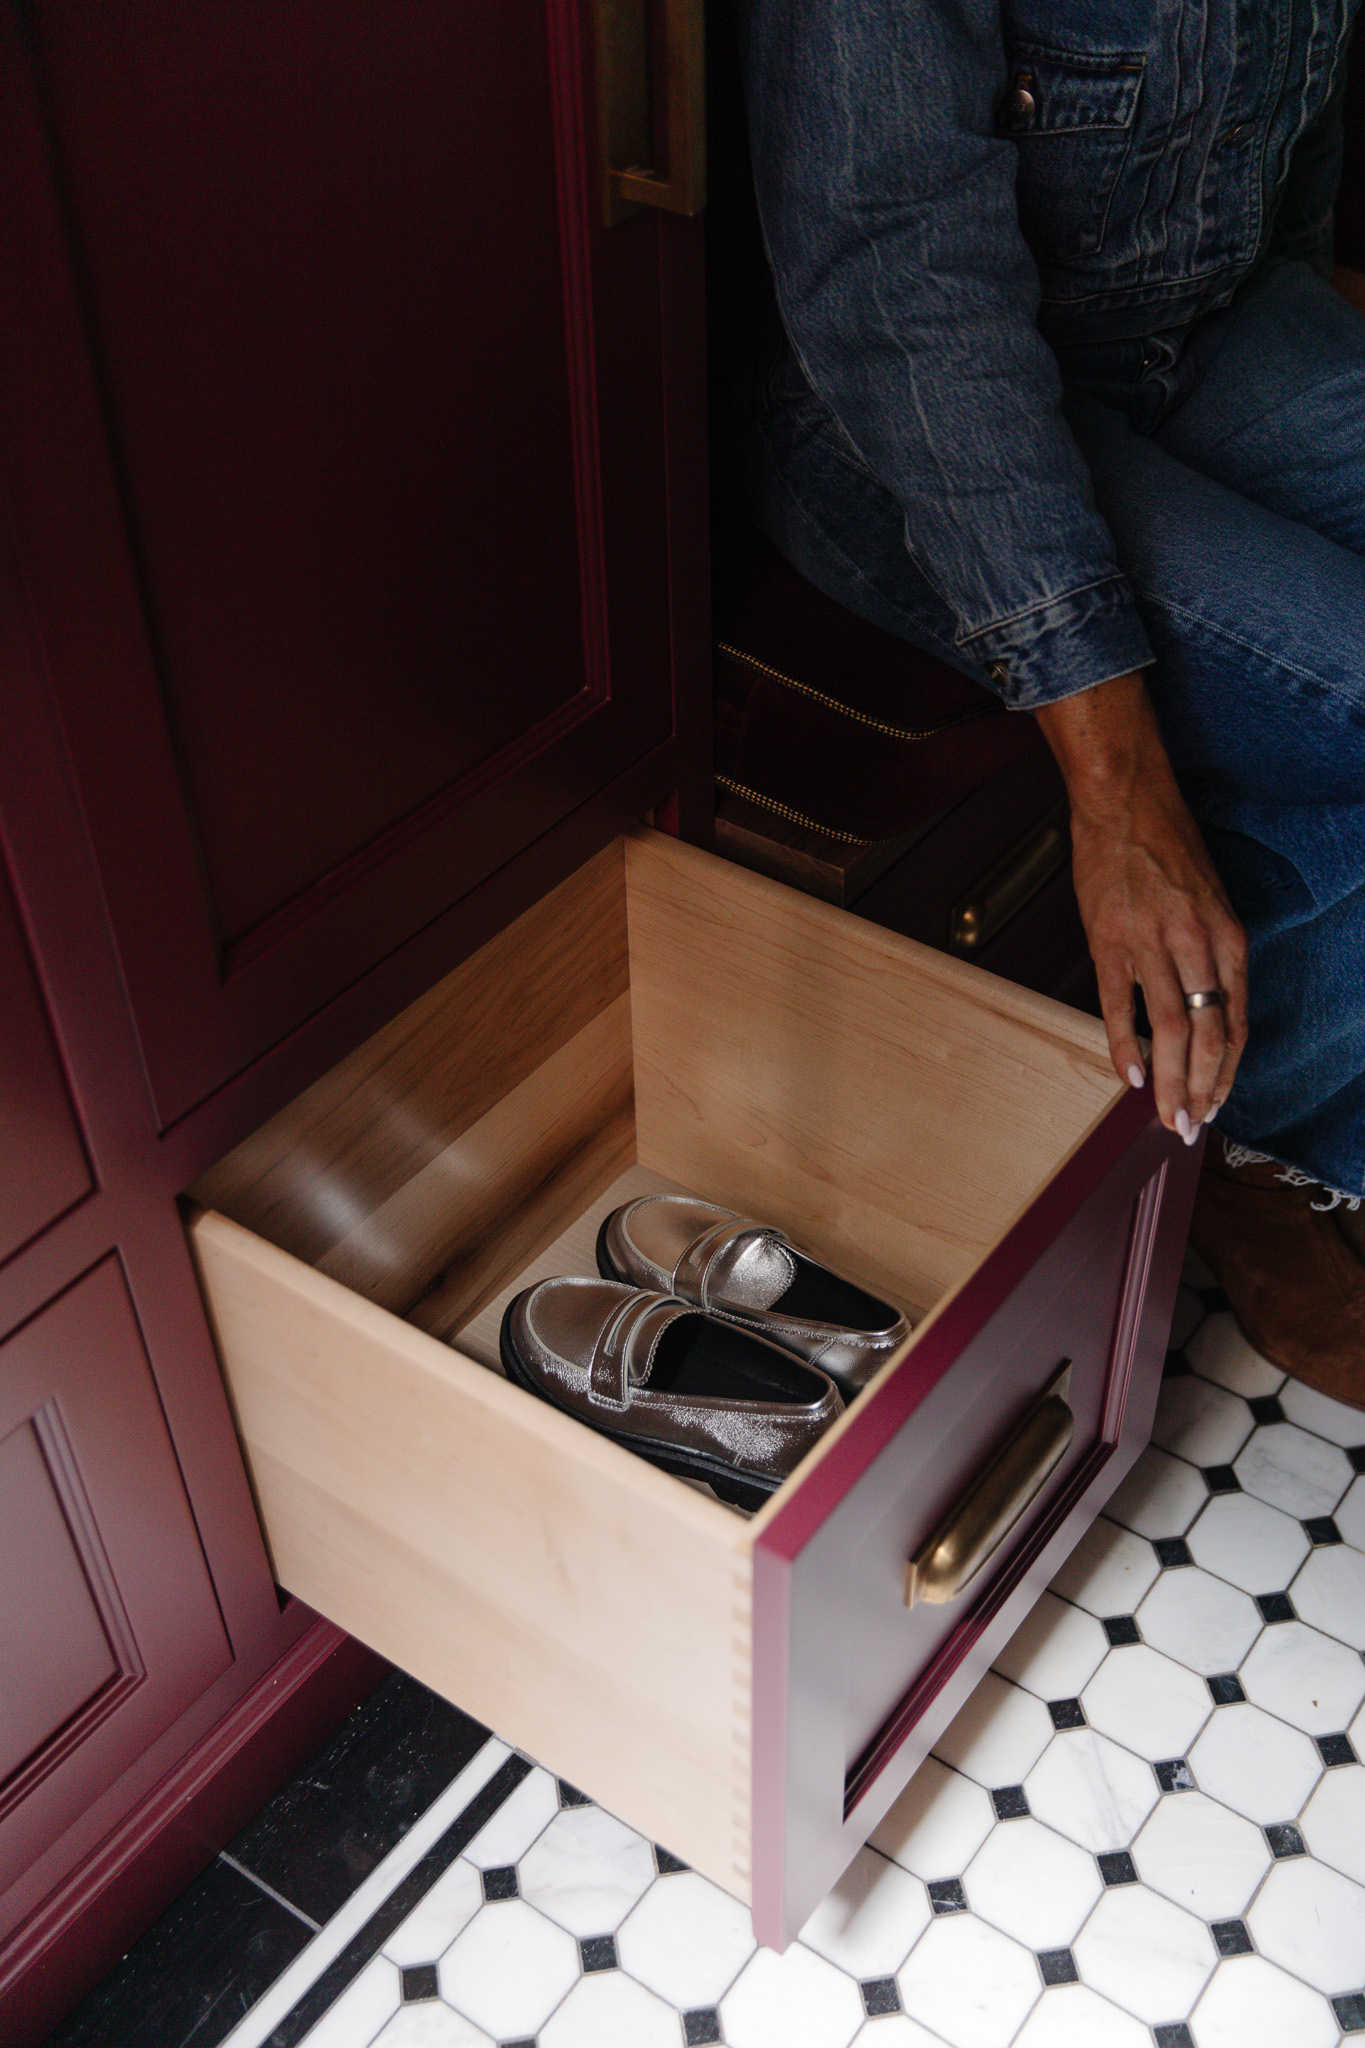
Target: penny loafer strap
{"points": [[620, 1360]]}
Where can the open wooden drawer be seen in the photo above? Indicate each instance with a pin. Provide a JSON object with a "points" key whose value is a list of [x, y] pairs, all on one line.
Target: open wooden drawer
{"points": [[753, 1693]]}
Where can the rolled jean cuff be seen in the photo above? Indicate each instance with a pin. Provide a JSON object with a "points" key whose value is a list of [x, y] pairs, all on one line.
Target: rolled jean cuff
{"points": [[1062, 645]]}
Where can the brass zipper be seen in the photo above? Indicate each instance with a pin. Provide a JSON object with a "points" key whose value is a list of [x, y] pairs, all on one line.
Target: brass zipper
{"points": [[895, 732], [770, 803]]}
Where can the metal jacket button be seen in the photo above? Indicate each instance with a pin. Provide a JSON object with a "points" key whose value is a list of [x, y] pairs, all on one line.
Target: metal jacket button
{"points": [[1020, 106]]}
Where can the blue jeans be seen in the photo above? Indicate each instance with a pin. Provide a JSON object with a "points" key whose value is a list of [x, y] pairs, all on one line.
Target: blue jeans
{"points": [[1238, 509]]}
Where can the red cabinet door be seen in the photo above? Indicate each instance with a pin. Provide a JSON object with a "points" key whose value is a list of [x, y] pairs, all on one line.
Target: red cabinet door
{"points": [[109, 1627], [335, 424], [43, 1167]]}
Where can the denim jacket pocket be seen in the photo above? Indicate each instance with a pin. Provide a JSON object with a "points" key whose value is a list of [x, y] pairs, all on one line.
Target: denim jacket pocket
{"points": [[1070, 114]]}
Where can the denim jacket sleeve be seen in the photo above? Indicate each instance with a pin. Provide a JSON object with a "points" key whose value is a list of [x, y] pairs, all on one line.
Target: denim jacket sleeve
{"points": [[910, 298], [1303, 217]]}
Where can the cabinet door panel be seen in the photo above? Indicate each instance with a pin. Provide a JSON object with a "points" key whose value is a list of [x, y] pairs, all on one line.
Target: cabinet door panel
{"points": [[43, 1168], [375, 604], [107, 1631]]}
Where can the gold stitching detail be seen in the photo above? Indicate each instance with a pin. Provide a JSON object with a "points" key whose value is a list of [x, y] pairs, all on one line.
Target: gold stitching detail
{"points": [[895, 732]]}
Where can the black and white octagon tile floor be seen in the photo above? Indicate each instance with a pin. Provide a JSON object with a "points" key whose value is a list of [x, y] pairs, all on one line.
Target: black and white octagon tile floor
{"points": [[1145, 1830]]}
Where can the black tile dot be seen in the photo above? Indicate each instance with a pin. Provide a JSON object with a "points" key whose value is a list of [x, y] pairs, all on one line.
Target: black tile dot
{"points": [[1276, 1607], [1121, 1629], [1226, 1689], [880, 1995], [1350, 2011], [1266, 1408], [1066, 1713], [700, 2026], [1176, 1366], [1176, 2035], [1058, 1966], [1171, 1551], [501, 1882], [947, 1896], [1230, 1937], [1117, 1867], [1335, 1750], [597, 1952], [1174, 1775], [569, 1795], [1010, 1802], [1320, 1530], [667, 1862], [1356, 1454], [419, 1981], [525, 2041], [1284, 1839], [1221, 1479]]}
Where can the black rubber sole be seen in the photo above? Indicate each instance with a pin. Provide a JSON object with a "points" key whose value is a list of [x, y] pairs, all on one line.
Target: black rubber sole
{"points": [[605, 1264], [722, 1479]]}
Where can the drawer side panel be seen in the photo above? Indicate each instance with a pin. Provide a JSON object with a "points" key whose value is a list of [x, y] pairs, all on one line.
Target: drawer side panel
{"points": [[582, 1603]]}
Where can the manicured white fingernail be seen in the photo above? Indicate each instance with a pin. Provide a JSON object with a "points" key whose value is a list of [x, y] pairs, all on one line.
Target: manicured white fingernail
{"points": [[1136, 1076], [1184, 1126], [1213, 1112]]}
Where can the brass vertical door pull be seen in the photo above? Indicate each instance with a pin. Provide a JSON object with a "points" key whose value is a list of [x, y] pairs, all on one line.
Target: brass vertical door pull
{"points": [[629, 180], [979, 1524]]}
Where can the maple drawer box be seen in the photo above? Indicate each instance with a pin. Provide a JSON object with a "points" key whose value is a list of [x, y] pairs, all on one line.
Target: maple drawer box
{"points": [[751, 1692]]}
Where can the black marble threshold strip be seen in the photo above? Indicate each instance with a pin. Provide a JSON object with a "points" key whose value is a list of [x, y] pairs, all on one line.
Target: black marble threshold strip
{"points": [[369, 1939]]}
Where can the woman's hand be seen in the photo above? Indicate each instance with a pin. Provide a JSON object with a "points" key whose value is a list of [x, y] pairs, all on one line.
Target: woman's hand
{"points": [[1154, 909]]}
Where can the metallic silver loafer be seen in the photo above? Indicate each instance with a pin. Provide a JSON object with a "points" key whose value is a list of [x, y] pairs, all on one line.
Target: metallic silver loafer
{"points": [[687, 1393], [749, 1274]]}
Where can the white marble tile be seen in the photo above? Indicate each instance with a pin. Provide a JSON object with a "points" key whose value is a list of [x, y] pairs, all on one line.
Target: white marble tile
{"points": [[431, 2024], [687, 1939], [1350, 1514], [1251, 2004], [1147, 1955], [517, 1822], [586, 1870], [509, 1969], [1201, 1421], [998, 1735], [1329, 1593], [265, 2015], [1253, 1546], [896, 2030], [1333, 1821], [796, 2000], [1201, 1855], [1094, 1791], [969, 1983], [1147, 1702], [607, 2010], [1332, 1419], [938, 1823], [435, 1921], [354, 2019], [1055, 1649], [1073, 2016], [1304, 1677], [1311, 1920], [1160, 1497], [1292, 1470], [871, 1919], [1220, 1352], [1199, 1620], [1109, 1570], [1031, 1882], [1254, 1763]]}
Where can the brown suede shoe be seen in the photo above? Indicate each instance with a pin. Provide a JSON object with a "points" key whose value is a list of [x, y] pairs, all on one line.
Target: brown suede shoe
{"points": [[1286, 1256]]}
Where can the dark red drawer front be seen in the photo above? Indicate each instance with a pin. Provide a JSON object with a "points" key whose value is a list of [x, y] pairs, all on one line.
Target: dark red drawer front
{"points": [[852, 1687]]}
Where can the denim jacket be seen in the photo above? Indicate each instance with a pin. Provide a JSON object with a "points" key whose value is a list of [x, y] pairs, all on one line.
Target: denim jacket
{"points": [[966, 202]]}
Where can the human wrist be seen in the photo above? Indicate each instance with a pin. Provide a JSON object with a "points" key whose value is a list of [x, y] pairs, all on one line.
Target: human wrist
{"points": [[1107, 744]]}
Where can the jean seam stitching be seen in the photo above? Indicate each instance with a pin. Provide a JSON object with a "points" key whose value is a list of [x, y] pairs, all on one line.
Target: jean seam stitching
{"points": [[1167, 604]]}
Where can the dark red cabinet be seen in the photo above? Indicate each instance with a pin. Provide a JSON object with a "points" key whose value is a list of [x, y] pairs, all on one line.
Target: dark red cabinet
{"points": [[352, 591]]}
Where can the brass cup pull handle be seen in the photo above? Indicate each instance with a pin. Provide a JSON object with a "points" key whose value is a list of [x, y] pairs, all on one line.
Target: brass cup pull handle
{"points": [[970, 1535], [628, 179]]}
